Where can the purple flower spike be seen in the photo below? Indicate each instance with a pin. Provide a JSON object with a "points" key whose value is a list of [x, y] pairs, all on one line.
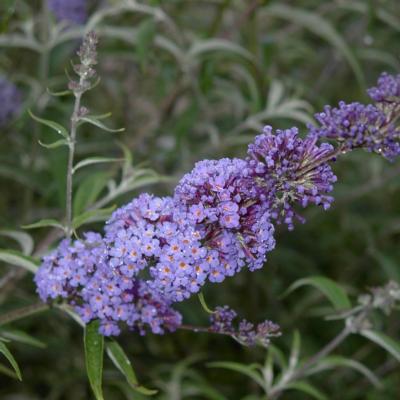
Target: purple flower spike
{"points": [[223, 199], [287, 170], [10, 98], [80, 273], [356, 125], [387, 89]]}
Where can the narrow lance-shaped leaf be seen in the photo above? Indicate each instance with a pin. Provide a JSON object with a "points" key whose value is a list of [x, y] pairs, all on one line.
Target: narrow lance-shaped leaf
{"points": [[45, 223], [51, 124], [22, 337], [8, 372], [295, 350], [243, 369], [18, 259], [24, 240], [90, 119], [60, 93], [390, 345], [332, 362], [319, 26], [303, 386], [94, 160], [4, 350], [335, 293], [121, 361], [94, 352], [219, 45], [145, 36], [91, 216], [54, 145], [89, 190]]}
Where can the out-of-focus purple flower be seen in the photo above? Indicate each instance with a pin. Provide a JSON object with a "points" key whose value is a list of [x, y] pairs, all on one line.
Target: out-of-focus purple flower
{"points": [[357, 125], [10, 98], [387, 89], [70, 11], [287, 170], [223, 321]]}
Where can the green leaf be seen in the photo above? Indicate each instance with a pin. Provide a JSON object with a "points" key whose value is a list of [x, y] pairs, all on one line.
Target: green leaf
{"points": [[60, 93], [91, 119], [295, 350], [94, 160], [7, 371], [278, 356], [204, 304], [145, 37], [45, 223], [127, 167], [331, 362], [24, 240], [89, 190], [390, 345], [321, 27], [4, 350], [54, 145], [243, 369], [268, 370], [92, 216], [335, 293], [94, 352], [121, 361], [18, 259], [305, 387], [51, 124], [22, 337], [219, 45], [388, 264]]}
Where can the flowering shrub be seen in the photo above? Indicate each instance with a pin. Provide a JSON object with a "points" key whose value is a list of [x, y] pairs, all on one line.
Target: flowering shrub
{"points": [[141, 266], [220, 219]]}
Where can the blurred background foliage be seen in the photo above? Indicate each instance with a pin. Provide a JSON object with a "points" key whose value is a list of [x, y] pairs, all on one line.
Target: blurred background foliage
{"points": [[191, 80]]}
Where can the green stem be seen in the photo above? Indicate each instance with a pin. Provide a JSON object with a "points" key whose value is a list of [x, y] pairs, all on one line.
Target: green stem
{"points": [[72, 140]]}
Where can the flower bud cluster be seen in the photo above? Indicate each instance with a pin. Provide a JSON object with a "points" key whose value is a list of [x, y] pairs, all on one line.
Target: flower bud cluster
{"points": [[223, 321]]}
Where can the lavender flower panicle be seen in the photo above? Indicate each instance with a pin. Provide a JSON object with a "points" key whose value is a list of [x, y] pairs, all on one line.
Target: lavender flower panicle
{"points": [[289, 170], [153, 233], [11, 99], [387, 89], [79, 272], [159, 251], [223, 201], [70, 11], [356, 125]]}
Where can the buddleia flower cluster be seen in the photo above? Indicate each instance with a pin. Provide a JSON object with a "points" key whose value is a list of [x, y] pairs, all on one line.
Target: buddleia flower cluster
{"points": [[10, 99], [69, 11], [222, 218]]}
